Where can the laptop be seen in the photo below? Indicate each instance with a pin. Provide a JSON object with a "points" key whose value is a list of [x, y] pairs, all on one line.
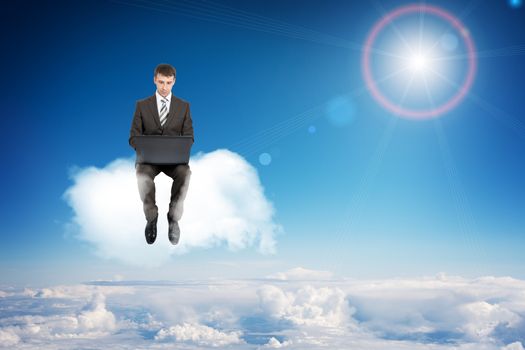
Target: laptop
{"points": [[160, 149]]}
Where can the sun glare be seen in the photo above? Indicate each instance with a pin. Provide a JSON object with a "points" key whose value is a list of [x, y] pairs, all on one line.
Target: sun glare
{"points": [[418, 63]]}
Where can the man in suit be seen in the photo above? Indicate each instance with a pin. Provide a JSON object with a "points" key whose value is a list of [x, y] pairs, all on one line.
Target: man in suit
{"points": [[162, 114]]}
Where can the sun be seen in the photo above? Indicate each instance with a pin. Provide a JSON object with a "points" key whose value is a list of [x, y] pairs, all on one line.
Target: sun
{"points": [[418, 63]]}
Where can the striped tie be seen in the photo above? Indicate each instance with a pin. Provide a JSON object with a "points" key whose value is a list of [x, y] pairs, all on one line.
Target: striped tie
{"points": [[163, 112]]}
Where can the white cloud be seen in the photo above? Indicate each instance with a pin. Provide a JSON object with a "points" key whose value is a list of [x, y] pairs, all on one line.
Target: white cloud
{"points": [[96, 317], [81, 291], [300, 273], [437, 313], [437, 308], [8, 337], [484, 317], [225, 204], [91, 322], [514, 346], [28, 292], [200, 335], [325, 307], [274, 343]]}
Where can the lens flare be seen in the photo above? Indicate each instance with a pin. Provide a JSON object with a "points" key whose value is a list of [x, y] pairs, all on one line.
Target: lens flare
{"points": [[419, 62]]}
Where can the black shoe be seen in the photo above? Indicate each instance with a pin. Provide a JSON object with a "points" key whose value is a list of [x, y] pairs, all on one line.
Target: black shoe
{"points": [[151, 231], [173, 230]]}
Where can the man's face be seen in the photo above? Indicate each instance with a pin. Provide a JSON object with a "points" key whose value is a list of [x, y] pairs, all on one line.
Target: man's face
{"points": [[164, 84]]}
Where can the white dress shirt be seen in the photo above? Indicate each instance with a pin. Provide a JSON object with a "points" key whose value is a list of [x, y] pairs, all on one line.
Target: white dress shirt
{"points": [[159, 101]]}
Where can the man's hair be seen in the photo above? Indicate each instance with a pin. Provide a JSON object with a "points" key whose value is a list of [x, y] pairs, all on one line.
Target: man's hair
{"points": [[165, 69]]}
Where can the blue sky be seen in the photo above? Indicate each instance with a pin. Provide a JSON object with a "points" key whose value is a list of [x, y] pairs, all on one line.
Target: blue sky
{"points": [[372, 196]]}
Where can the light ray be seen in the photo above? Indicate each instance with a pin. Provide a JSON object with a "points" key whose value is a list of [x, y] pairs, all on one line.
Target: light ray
{"points": [[394, 27], [421, 28], [226, 15], [265, 138], [510, 121], [465, 218], [352, 218], [342, 234], [407, 87], [462, 16], [515, 50]]}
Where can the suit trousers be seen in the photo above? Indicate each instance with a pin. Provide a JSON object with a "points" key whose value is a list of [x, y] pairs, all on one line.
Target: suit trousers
{"points": [[146, 173]]}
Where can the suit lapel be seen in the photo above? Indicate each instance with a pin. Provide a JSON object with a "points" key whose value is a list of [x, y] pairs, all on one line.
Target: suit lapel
{"points": [[152, 104], [171, 112]]}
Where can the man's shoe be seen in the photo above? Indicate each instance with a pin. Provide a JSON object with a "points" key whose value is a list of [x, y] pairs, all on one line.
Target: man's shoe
{"points": [[151, 231], [173, 230]]}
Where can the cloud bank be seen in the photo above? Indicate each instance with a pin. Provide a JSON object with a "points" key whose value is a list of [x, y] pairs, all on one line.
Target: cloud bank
{"points": [[225, 205], [300, 273], [439, 313], [199, 335]]}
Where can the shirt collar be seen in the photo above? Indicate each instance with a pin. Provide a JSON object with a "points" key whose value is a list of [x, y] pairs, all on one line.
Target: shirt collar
{"points": [[159, 96]]}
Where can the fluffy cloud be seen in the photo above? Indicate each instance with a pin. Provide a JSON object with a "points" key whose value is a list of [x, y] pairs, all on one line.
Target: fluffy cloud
{"points": [[514, 346], [441, 313], [91, 322], [441, 309], [200, 335], [225, 204], [324, 307], [274, 343], [485, 317], [96, 317], [8, 337]]}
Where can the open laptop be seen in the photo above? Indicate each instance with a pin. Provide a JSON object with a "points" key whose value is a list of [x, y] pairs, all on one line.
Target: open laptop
{"points": [[160, 149]]}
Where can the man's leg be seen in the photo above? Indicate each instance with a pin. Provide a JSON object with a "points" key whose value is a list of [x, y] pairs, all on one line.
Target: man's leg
{"points": [[181, 177], [145, 175], [180, 174]]}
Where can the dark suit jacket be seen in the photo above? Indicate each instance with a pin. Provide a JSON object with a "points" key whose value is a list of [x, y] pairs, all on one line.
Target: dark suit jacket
{"points": [[146, 119]]}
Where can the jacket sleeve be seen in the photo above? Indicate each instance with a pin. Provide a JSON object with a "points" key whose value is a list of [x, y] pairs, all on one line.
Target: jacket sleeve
{"points": [[187, 124], [136, 125]]}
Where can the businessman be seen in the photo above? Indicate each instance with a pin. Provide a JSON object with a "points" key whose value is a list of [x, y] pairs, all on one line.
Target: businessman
{"points": [[162, 114]]}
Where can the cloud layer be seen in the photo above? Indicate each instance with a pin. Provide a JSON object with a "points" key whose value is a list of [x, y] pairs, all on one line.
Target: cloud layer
{"points": [[225, 205], [441, 313], [199, 335]]}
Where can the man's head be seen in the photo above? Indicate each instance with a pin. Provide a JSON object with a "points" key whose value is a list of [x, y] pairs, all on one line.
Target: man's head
{"points": [[164, 78]]}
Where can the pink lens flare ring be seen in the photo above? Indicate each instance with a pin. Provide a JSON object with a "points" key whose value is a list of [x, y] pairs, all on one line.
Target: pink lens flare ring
{"points": [[419, 113]]}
